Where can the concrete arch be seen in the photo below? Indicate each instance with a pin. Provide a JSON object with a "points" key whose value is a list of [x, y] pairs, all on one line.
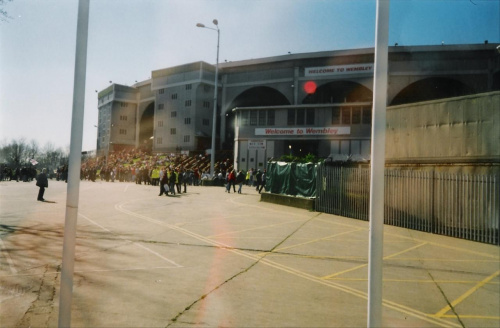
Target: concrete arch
{"points": [[430, 89], [146, 127], [256, 96], [339, 92]]}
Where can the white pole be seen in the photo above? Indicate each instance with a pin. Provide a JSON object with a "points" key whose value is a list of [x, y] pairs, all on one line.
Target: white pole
{"points": [[375, 261], [68, 259], [214, 118]]}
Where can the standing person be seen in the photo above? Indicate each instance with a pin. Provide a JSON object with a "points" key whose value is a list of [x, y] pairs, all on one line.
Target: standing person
{"points": [[230, 178], [262, 181], [258, 179], [178, 181], [240, 178], [252, 173], [171, 180], [42, 182], [163, 182]]}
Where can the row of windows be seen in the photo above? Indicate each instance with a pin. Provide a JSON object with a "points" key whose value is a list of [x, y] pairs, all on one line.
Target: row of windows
{"points": [[306, 116], [187, 121], [206, 88], [351, 115], [262, 117], [159, 140], [187, 103], [301, 116], [123, 117]]}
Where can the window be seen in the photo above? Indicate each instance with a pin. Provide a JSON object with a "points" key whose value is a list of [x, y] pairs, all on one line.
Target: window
{"points": [[206, 104], [123, 131], [301, 116], [188, 86], [356, 115], [244, 118], [253, 117], [336, 115], [187, 138], [160, 124], [187, 120], [291, 117], [172, 131], [174, 96], [206, 121], [346, 115], [270, 117], [262, 117], [187, 103], [173, 114], [159, 140], [367, 115], [310, 116], [124, 104], [123, 117], [161, 91], [161, 106]]}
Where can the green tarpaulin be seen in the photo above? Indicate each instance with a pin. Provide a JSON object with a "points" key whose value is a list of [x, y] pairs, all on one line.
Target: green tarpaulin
{"points": [[294, 179]]}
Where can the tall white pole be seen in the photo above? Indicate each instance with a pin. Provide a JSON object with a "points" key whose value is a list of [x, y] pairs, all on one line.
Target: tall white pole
{"points": [[214, 118], [75, 154], [375, 261]]}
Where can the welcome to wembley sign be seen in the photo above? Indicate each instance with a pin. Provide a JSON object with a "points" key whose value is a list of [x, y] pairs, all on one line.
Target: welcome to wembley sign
{"points": [[339, 69], [316, 131]]}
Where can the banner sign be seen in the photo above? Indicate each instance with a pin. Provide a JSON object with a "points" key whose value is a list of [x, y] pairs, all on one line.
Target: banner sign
{"points": [[257, 144], [303, 131], [339, 69]]}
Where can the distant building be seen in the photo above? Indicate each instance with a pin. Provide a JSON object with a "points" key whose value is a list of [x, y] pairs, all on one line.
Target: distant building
{"points": [[316, 103]]}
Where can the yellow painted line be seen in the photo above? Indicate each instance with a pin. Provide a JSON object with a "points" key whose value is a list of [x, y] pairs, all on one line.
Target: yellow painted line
{"points": [[463, 250], [389, 304], [315, 240], [465, 295], [420, 281], [253, 229], [366, 264], [472, 317], [442, 260]]}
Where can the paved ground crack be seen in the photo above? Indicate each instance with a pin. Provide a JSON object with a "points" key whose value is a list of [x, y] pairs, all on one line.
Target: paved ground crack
{"points": [[174, 320]]}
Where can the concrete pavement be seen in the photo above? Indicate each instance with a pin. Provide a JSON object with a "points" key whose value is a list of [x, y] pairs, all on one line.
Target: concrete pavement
{"points": [[211, 259]]}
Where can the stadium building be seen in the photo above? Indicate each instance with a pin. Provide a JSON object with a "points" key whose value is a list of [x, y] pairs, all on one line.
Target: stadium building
{"points": [[296, 104]]}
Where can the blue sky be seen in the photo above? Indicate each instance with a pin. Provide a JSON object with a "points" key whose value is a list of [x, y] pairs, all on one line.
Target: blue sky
{"points": [[130, 38]]}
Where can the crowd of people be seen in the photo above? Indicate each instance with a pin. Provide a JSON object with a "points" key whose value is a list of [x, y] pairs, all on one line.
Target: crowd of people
{"points": [[172, 173]]}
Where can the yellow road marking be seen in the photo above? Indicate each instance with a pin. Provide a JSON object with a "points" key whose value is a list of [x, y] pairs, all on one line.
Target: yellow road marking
{"points": [[366, 264], [472, 317], [352, 291], [251, 229], [465, 295], [420, 281], [315, 240]]}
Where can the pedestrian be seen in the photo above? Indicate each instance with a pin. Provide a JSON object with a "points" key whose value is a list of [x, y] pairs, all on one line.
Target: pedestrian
{"points": [[42, 183], [240, 178], [262, 181], [258, 179], [171, 181], [163, 182], [231, 180]]}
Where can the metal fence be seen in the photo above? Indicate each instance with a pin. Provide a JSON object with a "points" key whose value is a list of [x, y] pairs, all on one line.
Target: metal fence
{"points": [[457, 205]]}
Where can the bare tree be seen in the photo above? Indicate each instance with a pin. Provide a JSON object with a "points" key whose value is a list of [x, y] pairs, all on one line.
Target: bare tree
{"points": [[4, 15], [33, 149], [14, 153]]}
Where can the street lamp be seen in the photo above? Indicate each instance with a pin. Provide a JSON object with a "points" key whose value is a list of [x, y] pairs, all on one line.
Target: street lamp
{"points": [[214, 118]]}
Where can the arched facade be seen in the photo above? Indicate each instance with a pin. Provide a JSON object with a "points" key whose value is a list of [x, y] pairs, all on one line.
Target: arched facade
{"points": [[431, 89], [176, 104]]}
